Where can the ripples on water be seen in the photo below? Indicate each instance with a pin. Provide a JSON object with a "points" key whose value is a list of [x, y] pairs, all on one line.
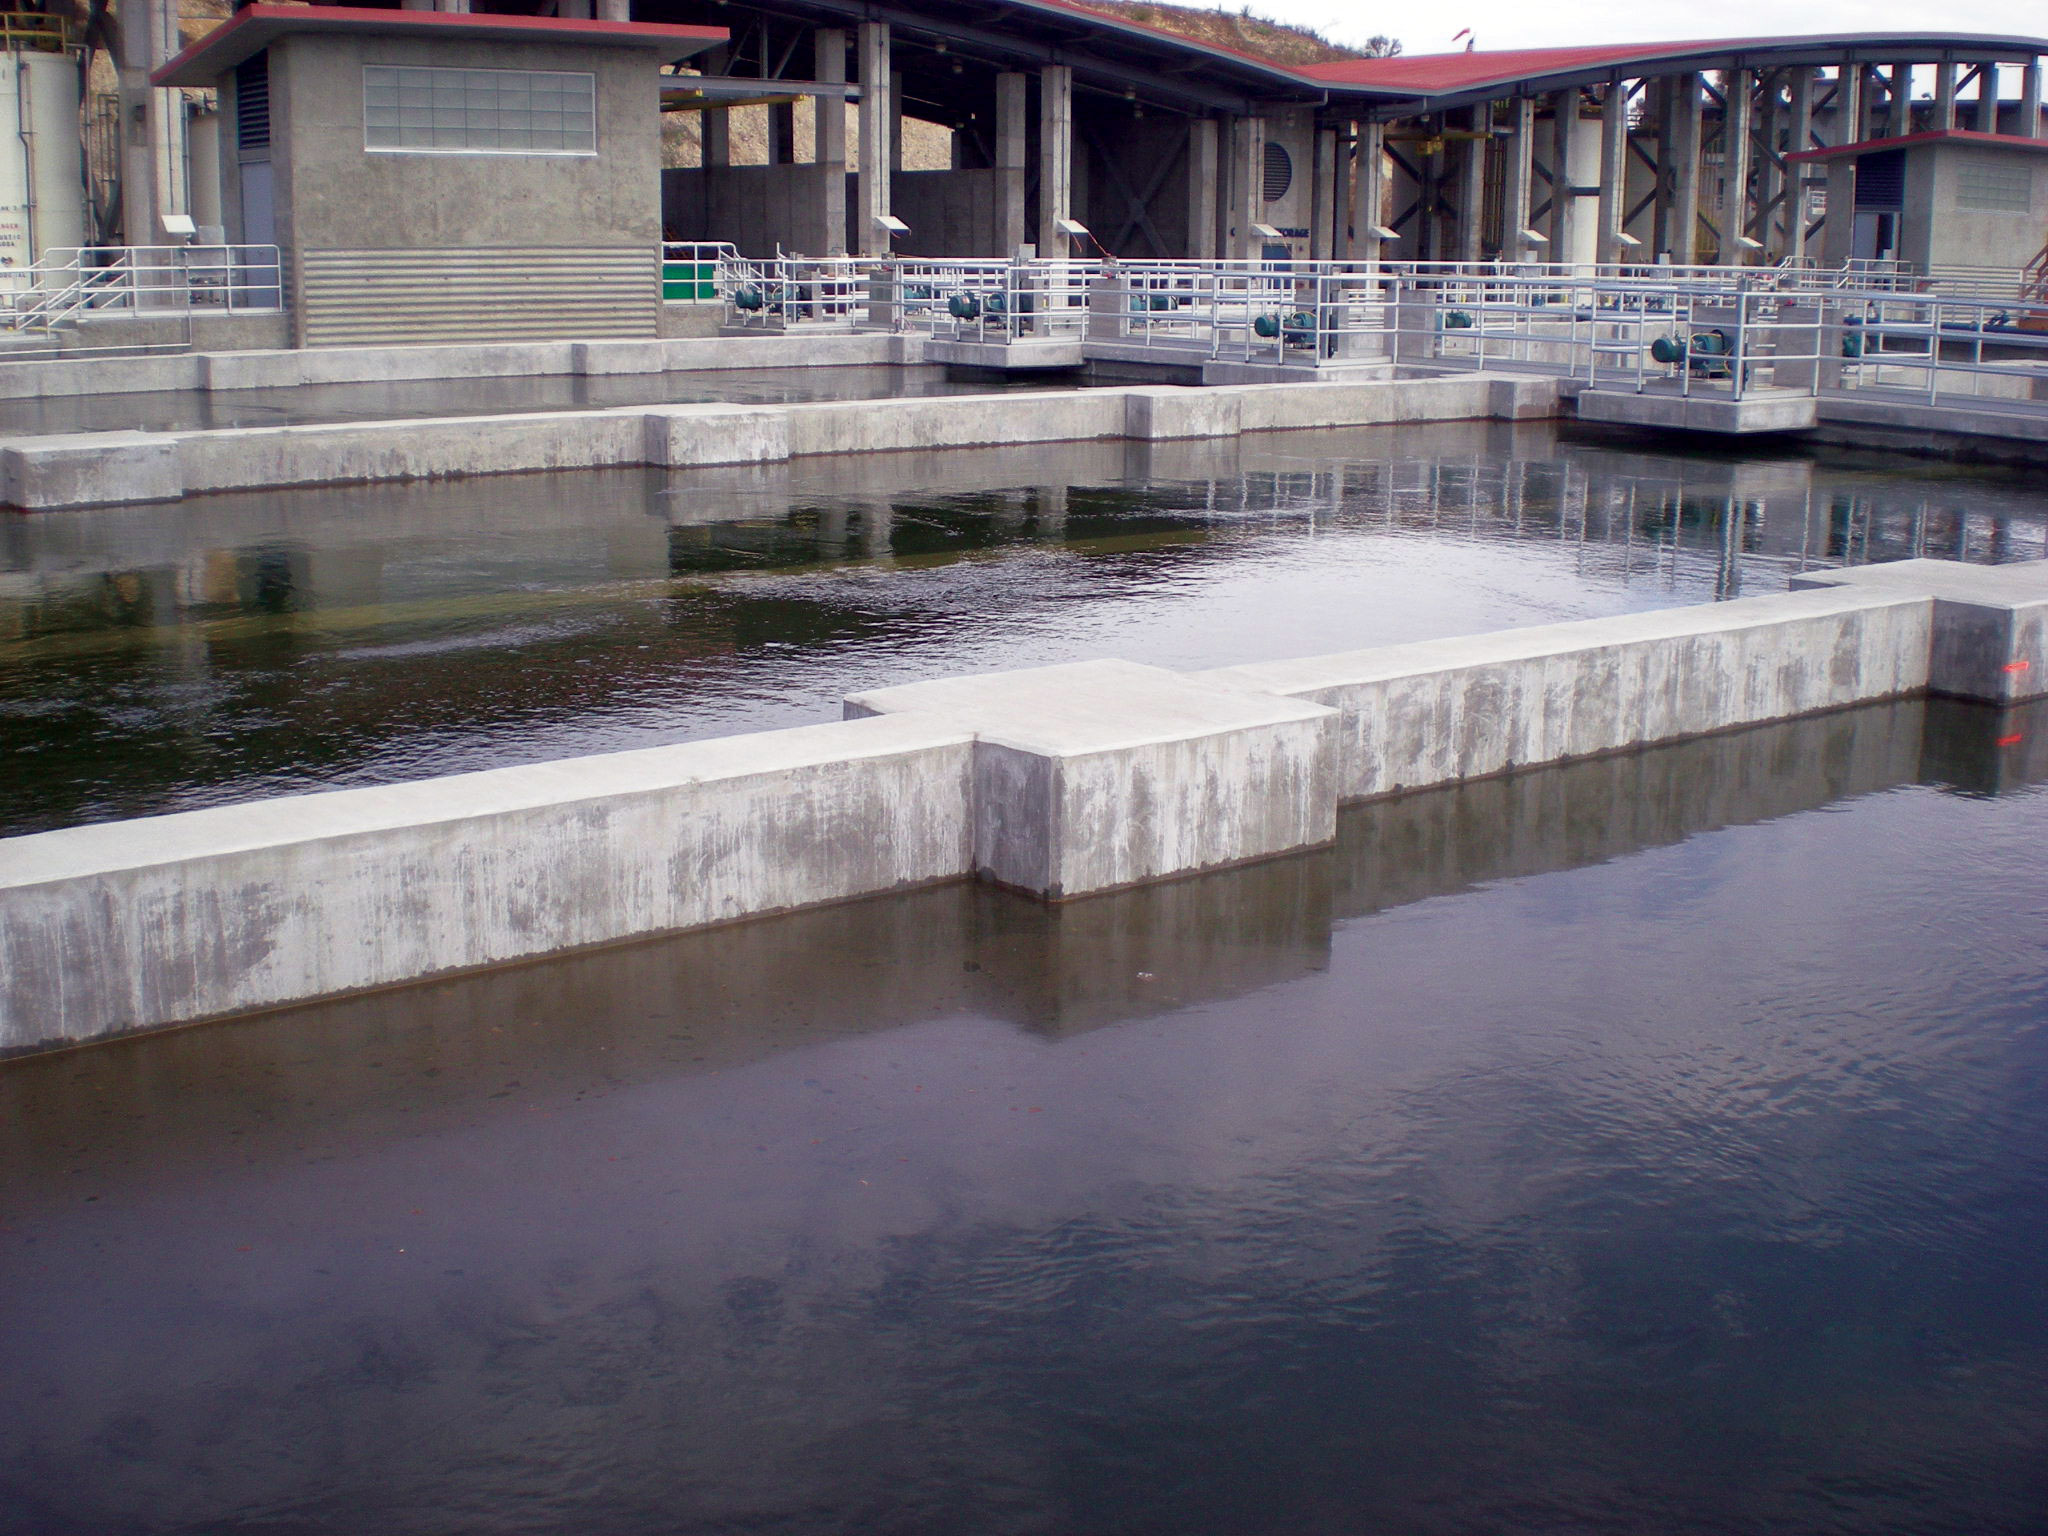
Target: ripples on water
{"points": [[1653, 1144], [161, 658]]}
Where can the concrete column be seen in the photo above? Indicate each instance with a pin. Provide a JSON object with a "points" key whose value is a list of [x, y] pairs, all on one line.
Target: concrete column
{"points": [[1055, 157], [153, 149], [1012, 151], [1247, 186], [1564, 205], [2030, 101], [713, 126], [1849, 103], [1770, 179], [1987, 99], [1204, 168], [895, 120], [1685, 168], [1613, 171], [877, 116], [1658, 95], [1798, 139], [1322, 218], [1518, 182], [1472, 186], [1368, 191], [614, 10], [828, 138], [1944, 96], [1898, 116], [1739, 87]]}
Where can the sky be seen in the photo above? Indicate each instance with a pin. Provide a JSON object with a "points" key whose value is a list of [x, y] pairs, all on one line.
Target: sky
{"points": [[1519, 24]]}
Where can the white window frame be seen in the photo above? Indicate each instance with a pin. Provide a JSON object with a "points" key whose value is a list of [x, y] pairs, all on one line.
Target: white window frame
{"points": [[463, 149]]}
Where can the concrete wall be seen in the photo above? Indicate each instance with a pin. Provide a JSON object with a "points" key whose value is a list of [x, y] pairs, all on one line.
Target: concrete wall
{"points": [[1063, 780], [1440, 711], [950, 213], [391, 245], [1978, 237], [333, 194], [759, 208], [246, 905], [58, 471]]}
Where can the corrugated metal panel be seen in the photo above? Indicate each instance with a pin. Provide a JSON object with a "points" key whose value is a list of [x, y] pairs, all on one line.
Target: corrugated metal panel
{"points": [[349, 298]]}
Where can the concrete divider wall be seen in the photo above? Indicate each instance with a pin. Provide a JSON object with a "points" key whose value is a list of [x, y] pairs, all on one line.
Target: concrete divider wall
{"points": [[283, 369], [123, 925], [1065, 780], [108, 468], [1443, 710]]}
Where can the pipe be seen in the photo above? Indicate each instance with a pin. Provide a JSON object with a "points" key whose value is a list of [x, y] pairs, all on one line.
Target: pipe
{"points": [[24, 107]]}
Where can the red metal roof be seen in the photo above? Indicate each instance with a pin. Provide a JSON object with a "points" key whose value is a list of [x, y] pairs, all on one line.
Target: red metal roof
{"points": [[1932, 136], [255, 27], [1428, 74], [1443, 74]]}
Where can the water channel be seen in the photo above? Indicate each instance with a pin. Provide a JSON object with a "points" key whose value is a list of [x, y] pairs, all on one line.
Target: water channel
{"points": [[1652, 1143], [166, 657]]}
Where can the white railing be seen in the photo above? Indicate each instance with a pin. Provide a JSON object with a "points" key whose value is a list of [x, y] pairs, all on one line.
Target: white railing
{"points": [[988, 300], [1941, 348], [69, 282], [785, 292]]}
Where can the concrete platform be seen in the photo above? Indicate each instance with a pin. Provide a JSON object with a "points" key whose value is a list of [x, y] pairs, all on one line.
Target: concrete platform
{"points": [[1757, 411], [1990, 621], [1100, 774], [1027, 354]]}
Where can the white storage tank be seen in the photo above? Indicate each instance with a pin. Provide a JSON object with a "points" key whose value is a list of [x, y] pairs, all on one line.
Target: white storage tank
{"points": [[42, 165]]}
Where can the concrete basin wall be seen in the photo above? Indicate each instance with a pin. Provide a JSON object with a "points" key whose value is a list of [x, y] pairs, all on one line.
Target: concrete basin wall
{"points": [[1443, 710], [110, 928], [109, 468], [1064, 780], [280, 369]]}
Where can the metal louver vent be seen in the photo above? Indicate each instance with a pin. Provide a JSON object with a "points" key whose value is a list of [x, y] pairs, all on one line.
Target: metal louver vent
{"points": [[1279, 172], [252, 103]]}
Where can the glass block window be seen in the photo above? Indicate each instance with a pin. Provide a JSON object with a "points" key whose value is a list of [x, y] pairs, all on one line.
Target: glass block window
{"points": [[2004, 185], [479, 111]]}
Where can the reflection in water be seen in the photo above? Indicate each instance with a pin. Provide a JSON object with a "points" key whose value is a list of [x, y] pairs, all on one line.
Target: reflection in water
{"points": [[1559, 1152], [160, 658]]}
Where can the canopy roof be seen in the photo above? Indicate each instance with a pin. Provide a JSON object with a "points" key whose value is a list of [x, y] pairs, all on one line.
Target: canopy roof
{"points": [[255, 27]]}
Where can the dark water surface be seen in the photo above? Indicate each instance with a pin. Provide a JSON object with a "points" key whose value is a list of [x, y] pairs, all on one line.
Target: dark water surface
{"points": [[167, 657], [1650, 1145], [192, 411]]}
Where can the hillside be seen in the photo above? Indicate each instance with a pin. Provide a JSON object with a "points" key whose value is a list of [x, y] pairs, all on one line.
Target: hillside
{"points": [[1241, 30]]}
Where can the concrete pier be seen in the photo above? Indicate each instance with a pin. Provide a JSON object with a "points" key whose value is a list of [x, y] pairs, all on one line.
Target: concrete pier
{"points": [[1061, 781]]}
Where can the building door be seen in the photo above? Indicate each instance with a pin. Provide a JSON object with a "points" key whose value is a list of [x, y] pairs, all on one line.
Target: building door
{"points": [[259, 227]]}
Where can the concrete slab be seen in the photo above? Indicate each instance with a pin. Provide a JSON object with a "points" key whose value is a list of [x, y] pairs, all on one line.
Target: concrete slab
{"points": [[1757, 411], [1102, 774], [1029, 354], [1990, 638]]}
